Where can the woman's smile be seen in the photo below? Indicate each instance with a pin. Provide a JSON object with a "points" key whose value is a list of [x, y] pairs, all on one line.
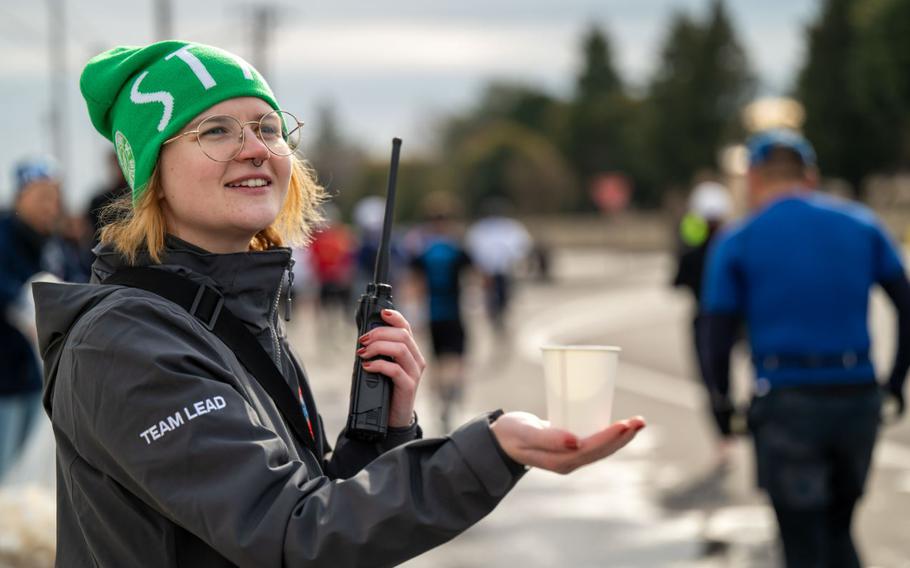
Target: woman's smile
{"points": [[254, 184]]}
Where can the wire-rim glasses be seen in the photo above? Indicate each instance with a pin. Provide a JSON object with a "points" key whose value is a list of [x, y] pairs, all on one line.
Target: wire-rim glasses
{"points": [[221, 137]]}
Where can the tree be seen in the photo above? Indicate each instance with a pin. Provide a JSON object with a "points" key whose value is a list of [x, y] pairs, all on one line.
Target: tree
{"points": [[416, 178], [694, 99], [835, 120], [881, 81], [521, 104], [505, 159], [338, 163], [506, 146], [726, 75], [598, 77], [602, 117]]}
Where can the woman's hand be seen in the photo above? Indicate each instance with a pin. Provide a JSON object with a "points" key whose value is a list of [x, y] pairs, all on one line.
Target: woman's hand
{"points": [[405, 368], [531, 441]]}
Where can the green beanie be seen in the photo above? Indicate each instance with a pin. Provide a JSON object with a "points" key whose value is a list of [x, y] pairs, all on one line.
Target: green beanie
{"points": [[138, 97]]}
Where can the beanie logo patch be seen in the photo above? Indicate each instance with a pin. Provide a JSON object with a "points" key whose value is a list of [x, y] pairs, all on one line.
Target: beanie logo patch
{"points": [[126, 158], [193, 62], [163, 97]]}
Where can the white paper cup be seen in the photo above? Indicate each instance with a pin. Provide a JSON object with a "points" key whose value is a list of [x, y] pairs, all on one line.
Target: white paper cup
{"points": [[580, 380]]}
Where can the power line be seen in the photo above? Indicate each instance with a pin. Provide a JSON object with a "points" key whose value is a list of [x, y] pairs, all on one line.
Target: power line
{"points": [[263, 22]]}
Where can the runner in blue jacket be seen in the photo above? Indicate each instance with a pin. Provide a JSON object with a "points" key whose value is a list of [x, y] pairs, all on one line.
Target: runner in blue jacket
{"points": [[799, 271]]}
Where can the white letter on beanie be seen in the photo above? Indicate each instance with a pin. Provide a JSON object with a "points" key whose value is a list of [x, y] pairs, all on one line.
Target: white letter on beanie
{"points": [[242, 64], [198, 68], [163, 97]]}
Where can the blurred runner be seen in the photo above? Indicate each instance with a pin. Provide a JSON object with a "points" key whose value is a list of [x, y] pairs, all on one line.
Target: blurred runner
{"points": [[368, 217], [799, 271], [305, 294], [23, 236], [439, 268], [332, 253], [709, 206], [497, 243]]}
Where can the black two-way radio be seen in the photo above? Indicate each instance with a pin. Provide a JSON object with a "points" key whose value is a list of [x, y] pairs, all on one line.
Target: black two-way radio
{"points": [[368, 417]]}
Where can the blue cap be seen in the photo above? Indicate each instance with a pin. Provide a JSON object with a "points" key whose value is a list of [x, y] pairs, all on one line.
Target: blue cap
{"points": [[761, 144], [34, 169]]}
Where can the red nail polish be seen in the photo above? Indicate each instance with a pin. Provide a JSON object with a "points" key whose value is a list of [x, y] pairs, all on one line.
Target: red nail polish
{"points": [[363, 339], [571, 443], [362, 350]]}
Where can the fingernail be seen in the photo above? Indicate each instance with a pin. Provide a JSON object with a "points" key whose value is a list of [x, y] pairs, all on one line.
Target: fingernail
{"points": [[363, 339], [386, 312], [362, 350], [571, 443]]}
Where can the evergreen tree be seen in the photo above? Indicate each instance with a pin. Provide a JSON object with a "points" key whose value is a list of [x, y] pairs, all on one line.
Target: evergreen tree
{"points": [[694, 99], [508, 160], [880, 74], [340, 164], [506, 147], [518, 103], [598, 77], [835, 122], [726, 77], [601, 118], [672, 102]]}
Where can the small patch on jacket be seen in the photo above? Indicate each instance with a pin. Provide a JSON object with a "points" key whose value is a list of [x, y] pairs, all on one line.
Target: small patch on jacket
{"points": [[176, 420]]}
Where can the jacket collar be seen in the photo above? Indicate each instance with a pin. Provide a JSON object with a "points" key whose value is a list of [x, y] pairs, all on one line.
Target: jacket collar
{"points": [[252, 282]]}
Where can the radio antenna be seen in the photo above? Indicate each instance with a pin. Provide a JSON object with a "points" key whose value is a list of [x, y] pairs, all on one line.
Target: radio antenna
{"points": [[381, 271]]}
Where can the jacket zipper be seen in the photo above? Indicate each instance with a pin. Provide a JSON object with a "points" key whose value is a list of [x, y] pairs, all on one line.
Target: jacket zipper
{"points": [[288, 305], [273, 319]]}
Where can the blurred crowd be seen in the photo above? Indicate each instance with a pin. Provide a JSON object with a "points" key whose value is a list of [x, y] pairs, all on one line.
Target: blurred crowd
{"points": [[432, 263]]}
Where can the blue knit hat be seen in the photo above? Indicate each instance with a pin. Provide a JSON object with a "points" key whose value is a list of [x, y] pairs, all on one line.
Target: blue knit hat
{"points": [[30, 170]]}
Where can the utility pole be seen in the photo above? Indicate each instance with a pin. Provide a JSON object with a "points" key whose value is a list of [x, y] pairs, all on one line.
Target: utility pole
{"points": [[263, 24], [57, 114], [163, 20]]}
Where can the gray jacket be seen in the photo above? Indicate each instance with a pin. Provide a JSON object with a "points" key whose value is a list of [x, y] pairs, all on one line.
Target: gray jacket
{"points": [[170, 454]]}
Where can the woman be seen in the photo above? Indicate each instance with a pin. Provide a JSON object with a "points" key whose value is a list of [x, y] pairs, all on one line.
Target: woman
{"points": [[170, 452]]}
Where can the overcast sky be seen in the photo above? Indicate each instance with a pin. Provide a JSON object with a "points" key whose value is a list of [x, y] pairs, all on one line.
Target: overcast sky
{"points": [[389, 68]]}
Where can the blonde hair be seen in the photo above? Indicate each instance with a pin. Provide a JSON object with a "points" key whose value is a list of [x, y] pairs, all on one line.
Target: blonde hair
{"points": [[141, 227]]}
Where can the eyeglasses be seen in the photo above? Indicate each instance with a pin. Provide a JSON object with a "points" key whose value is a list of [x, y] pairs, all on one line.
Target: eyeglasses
{"points": [[221, 137]]}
